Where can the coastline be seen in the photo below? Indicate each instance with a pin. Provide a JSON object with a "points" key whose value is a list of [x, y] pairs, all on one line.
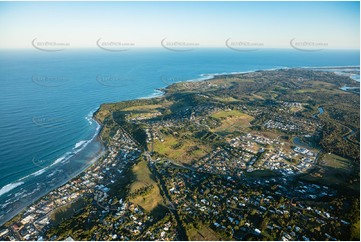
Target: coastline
{"points": [[97, 137], [43, 190], [75, 174]]}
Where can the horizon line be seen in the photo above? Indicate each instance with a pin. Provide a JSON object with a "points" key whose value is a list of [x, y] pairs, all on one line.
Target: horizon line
{"points": [[195, 48]]}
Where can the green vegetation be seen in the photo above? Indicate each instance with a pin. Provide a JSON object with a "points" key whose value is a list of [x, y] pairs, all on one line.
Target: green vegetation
{"points": [[228, 113], [233, 105], [181, 148], [67, 211], [231, 121], [201, 232], [218, 160], [144, 190]]}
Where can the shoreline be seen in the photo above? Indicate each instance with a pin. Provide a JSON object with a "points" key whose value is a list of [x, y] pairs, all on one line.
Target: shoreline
{"points": [[97, 136], [77, 173], [100, 151]]}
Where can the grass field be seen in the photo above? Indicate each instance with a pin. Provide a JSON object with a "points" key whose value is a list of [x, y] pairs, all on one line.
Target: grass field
{"points": [[306, 90], [226, 114], [102, 114], [295, 109], [180, 149], [226, 99], [334, 170], [142, 107], [144, 115], [203, 233], [233, 120], [320, 84], [66, 211], [337, 162], [143, 177], [257, 96]]}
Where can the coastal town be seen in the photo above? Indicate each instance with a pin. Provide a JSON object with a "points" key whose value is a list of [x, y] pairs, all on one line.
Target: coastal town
{"points": [[198, 194], [92, 184], [201, 166], [180, 120], [251, 209]]}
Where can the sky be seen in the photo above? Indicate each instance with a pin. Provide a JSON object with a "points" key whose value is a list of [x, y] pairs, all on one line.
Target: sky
{"points": [[206, 24]]}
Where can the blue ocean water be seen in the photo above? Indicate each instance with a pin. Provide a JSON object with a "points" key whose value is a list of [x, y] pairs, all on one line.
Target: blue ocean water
{"points": [[47, 100]]}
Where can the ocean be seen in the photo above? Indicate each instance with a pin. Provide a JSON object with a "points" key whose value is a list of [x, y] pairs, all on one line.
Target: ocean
{"points": [[47, 99]]}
